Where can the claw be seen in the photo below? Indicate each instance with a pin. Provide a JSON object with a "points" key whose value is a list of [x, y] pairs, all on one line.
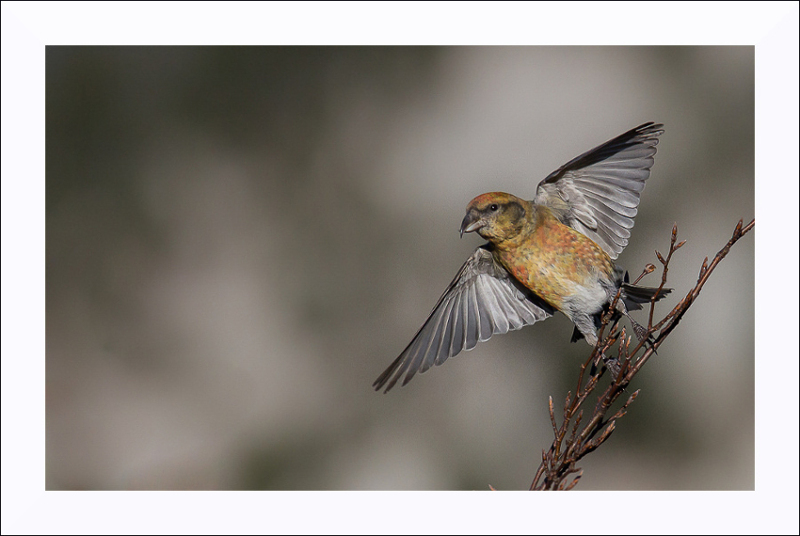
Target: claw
{"points": [[612, 365]]}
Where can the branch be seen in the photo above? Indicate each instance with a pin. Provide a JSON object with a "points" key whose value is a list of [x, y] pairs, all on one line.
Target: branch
{"points": [[558, 469]]}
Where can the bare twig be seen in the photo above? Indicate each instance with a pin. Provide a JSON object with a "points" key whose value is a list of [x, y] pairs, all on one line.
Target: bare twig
{"points": [[559, 461]]}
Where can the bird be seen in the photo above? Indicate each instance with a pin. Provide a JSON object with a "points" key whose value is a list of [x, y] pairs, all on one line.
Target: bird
{"points": [[553, 253]]}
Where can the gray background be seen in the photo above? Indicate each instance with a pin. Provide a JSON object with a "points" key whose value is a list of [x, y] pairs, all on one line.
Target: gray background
{"points": [[239, 240]]}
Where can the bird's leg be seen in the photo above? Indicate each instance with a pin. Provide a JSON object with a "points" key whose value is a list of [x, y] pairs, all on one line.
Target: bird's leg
{"points": [[586, 325], [640, 331], [611, 363]]}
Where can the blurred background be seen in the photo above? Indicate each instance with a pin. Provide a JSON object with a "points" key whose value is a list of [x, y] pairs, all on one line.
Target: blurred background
{"points": [[240, 240]]}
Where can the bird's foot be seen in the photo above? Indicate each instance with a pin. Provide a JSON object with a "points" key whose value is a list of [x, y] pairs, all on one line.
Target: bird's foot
{"points": [[641, 333], [611, 363]]}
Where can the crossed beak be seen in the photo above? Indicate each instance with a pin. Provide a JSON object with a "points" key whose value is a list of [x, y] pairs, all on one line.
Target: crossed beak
{"points": [[471, 222]]}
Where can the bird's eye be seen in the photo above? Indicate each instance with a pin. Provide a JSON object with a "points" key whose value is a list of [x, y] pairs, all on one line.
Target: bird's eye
{"points": [[494, 207]]}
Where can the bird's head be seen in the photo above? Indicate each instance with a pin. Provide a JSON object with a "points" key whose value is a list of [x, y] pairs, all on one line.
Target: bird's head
{"points": [[496, 216]]}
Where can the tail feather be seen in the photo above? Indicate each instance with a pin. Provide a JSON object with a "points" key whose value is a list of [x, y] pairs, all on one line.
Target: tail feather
{"points": [[634, 296]]}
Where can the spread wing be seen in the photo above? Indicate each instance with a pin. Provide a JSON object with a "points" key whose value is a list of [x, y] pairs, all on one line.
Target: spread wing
{"points": [[598, 192], [483, 299]]}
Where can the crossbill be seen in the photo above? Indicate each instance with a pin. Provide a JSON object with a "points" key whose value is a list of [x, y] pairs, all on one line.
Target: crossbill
{"points": [[554, 253]]}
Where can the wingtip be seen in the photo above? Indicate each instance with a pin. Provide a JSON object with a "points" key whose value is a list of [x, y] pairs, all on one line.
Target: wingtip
{"points": [[377, 386], [381, 381], [652, 128], [389, 378]]}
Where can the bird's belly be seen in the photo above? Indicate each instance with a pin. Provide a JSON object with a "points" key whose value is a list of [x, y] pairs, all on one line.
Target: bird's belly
{"points": [[563, 277]]}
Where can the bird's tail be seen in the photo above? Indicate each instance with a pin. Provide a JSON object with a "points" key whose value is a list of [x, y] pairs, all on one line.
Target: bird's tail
{"points": [[635, 296]]}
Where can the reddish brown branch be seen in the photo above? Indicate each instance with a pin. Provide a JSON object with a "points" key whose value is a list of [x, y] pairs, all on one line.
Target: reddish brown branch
{"points": [[559, 461]]}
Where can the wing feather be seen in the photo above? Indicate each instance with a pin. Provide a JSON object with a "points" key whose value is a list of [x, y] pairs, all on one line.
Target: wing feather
{"points": [[483, 299], [597, 193]]}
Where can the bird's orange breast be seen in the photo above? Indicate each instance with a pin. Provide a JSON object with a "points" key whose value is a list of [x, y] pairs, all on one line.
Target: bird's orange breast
{"points": [[554, 260]]}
